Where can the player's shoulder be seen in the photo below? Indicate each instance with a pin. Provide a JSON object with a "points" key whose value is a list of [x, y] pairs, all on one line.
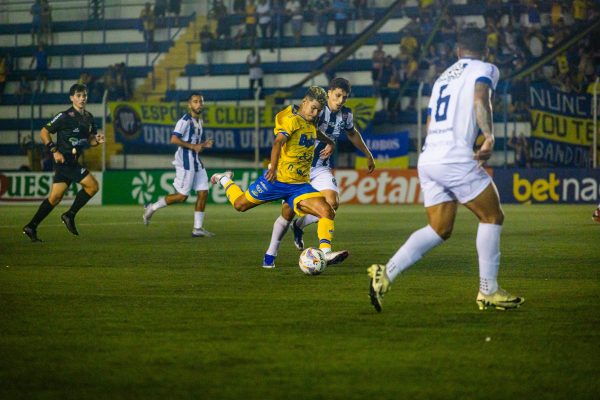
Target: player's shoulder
{"points": [[480, 67], [187, 117]]}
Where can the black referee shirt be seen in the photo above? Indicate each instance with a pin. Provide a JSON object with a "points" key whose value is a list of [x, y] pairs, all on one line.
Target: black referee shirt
{"points": [[73, 130]]}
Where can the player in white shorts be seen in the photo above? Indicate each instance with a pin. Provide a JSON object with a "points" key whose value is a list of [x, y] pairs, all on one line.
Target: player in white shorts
{"points": [[334, 121], [450, 172], [190, 173]]}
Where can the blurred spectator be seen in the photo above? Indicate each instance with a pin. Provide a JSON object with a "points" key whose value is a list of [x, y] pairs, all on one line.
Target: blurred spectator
{"points": [[409, 43], [579, 11], [36, 22], [42, 62], [341, 11], [239, 6], [448, 26], [122, 82], [556, 13], [324, 59], [322, 11], [46, 22], [377, 60], [219, 13], [278, 13], [206, 41], [263, 11], [148, 23], [251, 22], [110, 83], [255, 71], [294, 9], [361, 9], [23, 89], [4, 71], [175, 9], [160, 10], [385, 75], [522, 152]]}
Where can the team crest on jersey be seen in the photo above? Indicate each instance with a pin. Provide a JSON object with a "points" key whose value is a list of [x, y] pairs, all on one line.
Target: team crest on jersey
{"points": [[453, 72]]}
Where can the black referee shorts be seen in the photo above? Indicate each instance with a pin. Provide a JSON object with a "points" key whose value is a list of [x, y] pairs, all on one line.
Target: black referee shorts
{"points": [[68, 173]]}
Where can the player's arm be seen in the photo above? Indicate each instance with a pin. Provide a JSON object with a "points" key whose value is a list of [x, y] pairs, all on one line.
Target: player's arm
{"points": [[46, 137], [198, 147], [95, 138], [357, 140], [280, 140], [482, 105], [328, 150]]}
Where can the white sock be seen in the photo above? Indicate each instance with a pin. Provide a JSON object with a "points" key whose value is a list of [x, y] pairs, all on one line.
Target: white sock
{"points": [[159, 204], [198, 219], [419, 243], [306, 220], [488, 250], [224, 180], [280, 227]]}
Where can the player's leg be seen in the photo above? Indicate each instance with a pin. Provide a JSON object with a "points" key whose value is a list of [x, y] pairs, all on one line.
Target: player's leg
{"points": [[89, 187], [322, 179], [486, 206], [184, 179], [56, 193], [440, 206], [280, 227], [596, 214], [201, 188], [318, 207]]}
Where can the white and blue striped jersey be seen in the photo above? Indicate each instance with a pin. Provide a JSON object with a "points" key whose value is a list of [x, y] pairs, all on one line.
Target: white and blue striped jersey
{"points": [[189, 130], [333, 125], [452, 126]]}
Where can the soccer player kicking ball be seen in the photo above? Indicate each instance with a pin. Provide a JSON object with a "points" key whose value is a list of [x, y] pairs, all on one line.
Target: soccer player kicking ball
{"points": [[75, 130], [450, 173], [334, 121], [189, 170], [288, 175]]}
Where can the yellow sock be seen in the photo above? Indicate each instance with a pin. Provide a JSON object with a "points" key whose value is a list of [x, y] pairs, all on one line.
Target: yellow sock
{"points": [[232, 191], [325, 230]]}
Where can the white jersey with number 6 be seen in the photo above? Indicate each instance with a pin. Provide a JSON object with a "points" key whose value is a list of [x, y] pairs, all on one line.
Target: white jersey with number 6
{"points": [[452, 126]]}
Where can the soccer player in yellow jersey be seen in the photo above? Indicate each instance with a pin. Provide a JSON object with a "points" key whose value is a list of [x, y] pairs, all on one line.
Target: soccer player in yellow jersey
{"points": [[288, 175]]}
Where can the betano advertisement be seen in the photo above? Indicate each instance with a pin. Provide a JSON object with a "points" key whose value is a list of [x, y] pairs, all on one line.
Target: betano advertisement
{"points": [[20, 188], [526, 186]]}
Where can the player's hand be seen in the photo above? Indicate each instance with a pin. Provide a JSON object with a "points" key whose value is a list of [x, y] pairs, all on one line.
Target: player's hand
{"points": [[208, 144], [197, 148], [485, 151], [58, 157], [100, 138], [371, 164], [326, 152], [271, 173]]}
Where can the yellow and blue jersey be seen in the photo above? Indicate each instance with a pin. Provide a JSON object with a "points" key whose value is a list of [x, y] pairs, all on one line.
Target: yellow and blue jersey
{"points": [[297, 153]]}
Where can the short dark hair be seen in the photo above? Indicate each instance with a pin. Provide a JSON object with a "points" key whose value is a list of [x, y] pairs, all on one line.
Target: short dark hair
{"points": [[194, 94], [473, 39], [78, 87], [340, 83], [317, 93]]}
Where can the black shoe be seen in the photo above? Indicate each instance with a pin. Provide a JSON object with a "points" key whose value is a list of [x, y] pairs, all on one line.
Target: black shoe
{"points": [[31, 233], [69, 221]]}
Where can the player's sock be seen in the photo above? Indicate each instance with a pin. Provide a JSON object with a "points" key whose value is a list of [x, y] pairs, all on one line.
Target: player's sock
{"points": [[198, 219], [306, 220], [488, 250], [325, 229], [159, 204], [81, 199], [419, 243], [232, 191], [280, 227], [44, 209]]}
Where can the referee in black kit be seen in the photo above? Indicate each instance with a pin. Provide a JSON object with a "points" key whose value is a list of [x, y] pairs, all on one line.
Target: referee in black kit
{"points": [[75, 130]]}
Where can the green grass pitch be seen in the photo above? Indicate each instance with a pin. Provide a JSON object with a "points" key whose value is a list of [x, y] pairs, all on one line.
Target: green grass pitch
{"points": [[131, 312]]}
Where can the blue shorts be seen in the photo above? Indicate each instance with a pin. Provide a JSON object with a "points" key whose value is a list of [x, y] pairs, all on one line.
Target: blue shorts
{"points": [[262, 191]]}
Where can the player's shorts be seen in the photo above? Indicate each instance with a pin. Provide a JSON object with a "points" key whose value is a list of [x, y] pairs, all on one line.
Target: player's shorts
{"points": [[321, 178], [449, 182], [69, 172], [186, 180], [262, 191]]}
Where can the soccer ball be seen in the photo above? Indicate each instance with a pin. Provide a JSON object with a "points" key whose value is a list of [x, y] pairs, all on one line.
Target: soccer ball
{"points": [[312, 261]]}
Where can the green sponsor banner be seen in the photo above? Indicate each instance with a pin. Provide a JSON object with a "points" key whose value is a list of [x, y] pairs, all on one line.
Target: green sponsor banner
{"points": [[146, 186]]}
